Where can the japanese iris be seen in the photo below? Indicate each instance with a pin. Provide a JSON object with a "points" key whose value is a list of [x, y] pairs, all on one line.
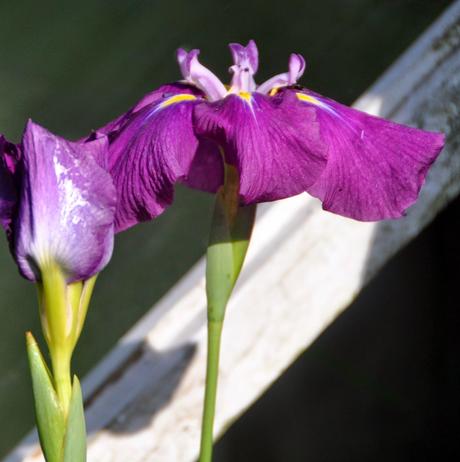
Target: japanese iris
{"points": [[281, 138], [57, 204]]}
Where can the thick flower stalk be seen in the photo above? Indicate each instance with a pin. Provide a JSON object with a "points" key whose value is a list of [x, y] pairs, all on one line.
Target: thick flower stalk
{"points": [[255, 143], [57, 207]]}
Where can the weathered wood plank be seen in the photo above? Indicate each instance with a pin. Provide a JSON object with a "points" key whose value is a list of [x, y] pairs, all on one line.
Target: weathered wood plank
{"points": [[304, 268]]}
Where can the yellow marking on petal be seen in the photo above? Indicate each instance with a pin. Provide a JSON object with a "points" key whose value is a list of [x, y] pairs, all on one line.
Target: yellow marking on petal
{"points": [[274, 91], [245, 95], [309, 99], [317, 102], [177, 99]]}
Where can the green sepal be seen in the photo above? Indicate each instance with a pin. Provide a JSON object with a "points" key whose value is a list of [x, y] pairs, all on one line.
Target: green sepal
{"points": [[229, 240], [49, 415], [75, 436]]}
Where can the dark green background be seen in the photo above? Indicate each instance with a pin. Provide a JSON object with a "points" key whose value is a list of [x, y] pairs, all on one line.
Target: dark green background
{"points": [[72, 66]]}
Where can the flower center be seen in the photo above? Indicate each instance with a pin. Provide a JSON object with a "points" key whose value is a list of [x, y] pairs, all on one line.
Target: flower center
{"points": [[245, 95], [243, 80]]}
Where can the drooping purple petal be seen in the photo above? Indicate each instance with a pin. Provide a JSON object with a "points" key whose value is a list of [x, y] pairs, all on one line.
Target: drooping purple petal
{"points": [[375, 167], [66, 206], [155, 148], [296, 70], [276, 148], [197, 74], [150, 98], [245, 64], [9, 155], [206, 172], [166, 91]]}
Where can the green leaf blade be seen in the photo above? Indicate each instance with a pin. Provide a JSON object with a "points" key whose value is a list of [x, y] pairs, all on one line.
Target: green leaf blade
{"points": [[49, 415], [75, 436]]}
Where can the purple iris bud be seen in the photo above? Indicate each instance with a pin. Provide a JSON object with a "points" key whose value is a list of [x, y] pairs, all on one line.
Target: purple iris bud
{"points": [[57, 204], [283, 139]]}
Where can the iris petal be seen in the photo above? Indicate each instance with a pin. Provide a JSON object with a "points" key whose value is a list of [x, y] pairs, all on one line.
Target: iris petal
{"points": [[296, 69], [155, 96], [197, 74], [375, 167], [245, 64], [66, 206], [155, 148], [245, 55], [275, 145]]}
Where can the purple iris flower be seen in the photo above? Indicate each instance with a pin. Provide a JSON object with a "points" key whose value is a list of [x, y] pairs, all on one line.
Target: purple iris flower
{"points": [[57, 204], [282, 139]]}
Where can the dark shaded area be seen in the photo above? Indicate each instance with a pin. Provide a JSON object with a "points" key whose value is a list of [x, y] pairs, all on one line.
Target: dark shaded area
{"points": [[382, 382], [73, 66]]}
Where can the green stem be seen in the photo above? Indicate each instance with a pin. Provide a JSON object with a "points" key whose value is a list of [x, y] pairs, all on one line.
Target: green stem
{"points": [[60, 361], [86, 293], [212, 369], [228, 242]]}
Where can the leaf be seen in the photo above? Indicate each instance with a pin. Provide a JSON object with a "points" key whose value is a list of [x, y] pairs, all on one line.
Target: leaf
{"points": [[48, 412], [75, 437]]}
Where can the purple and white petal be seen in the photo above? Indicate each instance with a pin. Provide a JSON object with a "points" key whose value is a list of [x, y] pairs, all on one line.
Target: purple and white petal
{"points": [[245, 55], [375, 167], [296, 70], [277, 150], [197, 74], [66, 206], [156, 148], [181, 56], [245, 64]]}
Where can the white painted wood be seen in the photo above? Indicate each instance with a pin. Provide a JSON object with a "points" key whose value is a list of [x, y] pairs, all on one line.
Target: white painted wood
{"points": [[303, 269]]}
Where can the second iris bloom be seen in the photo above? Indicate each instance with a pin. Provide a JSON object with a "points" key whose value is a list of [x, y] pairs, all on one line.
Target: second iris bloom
{"points": [[282, 139]]}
